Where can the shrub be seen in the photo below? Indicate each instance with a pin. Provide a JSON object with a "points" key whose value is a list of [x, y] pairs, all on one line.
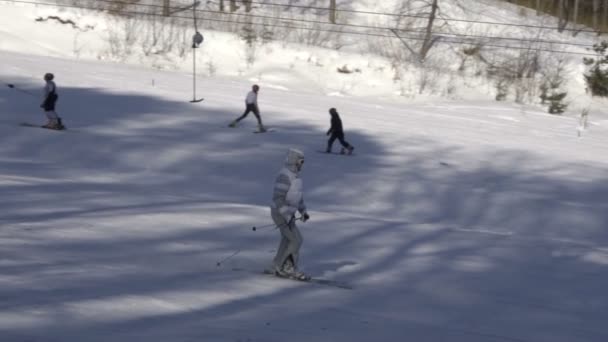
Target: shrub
{"points": [[597, 75]]}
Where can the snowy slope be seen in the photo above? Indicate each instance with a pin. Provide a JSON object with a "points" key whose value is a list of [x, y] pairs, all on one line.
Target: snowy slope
{"points": [[455, 221], [488, 226]]}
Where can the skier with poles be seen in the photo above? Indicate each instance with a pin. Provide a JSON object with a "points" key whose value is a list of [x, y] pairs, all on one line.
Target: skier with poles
{"points": [[48, 104], [251, 105], [337, 132], [287, 198]]}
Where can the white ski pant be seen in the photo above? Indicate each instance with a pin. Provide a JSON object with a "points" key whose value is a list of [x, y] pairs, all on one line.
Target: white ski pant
{"points": [[291, 240], [52, 117]]}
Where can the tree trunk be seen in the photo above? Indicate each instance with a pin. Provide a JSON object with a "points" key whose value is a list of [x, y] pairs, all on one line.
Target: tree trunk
{"points": [[575, 15], [247, 5], [166, 7], [428, 36], [221, 5], [605, 16], [233, 6], [562, 19], [596, 13], [332, 11], [537, 7]]}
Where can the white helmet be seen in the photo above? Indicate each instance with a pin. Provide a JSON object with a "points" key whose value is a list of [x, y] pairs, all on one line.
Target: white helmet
{"points": [[294, 159]]}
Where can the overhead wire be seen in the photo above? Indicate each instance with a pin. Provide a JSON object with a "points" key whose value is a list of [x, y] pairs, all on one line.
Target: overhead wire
{"points": [[442, 35], [415, 16], [391, 28], [308, 21]]}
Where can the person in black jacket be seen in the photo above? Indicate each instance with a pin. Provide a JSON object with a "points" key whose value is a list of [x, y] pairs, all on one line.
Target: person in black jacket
{"points": [[337, 132]]}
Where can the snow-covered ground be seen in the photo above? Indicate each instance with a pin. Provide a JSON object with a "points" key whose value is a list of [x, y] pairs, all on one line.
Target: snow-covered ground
{"points": [[455, 221], [96, 36]]}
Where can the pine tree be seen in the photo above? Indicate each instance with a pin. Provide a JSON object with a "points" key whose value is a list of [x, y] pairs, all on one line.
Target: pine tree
{"points": [[551, 89], [555, 96], [597, 75], [556, 106]]}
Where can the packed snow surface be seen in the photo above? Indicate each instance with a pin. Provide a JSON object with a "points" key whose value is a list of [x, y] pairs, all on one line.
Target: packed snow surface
{"points": [[455, 220]]}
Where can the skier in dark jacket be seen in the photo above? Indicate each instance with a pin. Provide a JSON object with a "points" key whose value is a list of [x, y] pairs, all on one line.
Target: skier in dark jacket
{"points": [[336, 132], [48, 103]]}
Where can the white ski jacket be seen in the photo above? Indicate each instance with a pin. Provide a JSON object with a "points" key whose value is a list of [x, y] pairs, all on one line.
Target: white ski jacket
{"points": [[252, 98], [288, 196]]}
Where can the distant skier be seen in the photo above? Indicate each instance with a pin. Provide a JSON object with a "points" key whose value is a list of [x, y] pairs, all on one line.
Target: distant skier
{"points": [[287, 198], [48, 104], [251, 105], [337, 132]]}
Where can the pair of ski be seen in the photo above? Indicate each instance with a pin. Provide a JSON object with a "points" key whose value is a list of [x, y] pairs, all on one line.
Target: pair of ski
{"points": [[27, 124], [338, 153], [265, 130], [312, 280]]}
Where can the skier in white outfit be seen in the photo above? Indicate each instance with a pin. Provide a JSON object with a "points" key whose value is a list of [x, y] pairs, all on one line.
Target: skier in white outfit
{"points": [[288, 199], [251, 105]]}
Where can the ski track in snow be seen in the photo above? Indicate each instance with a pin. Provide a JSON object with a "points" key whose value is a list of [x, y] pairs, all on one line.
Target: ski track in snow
{"points": [[120, 233], [457, 221]]}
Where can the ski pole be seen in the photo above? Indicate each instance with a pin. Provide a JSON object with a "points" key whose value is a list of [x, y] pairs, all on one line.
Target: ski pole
{"points": [[219, 263], [273, 225], [254, 228], [12, 86]]}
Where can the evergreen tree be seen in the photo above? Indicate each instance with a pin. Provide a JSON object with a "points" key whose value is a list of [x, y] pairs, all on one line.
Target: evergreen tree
{"points": [[551, 89], [550, 92], [597, 75], [556, 106]]}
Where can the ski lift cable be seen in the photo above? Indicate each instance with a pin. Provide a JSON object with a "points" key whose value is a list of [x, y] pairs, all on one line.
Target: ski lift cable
{"points": [[308, 21], [403, 15], [459, 41]]}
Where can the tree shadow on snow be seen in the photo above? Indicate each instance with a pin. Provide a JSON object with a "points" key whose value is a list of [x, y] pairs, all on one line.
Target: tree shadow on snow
{"points": [[436, 249]]}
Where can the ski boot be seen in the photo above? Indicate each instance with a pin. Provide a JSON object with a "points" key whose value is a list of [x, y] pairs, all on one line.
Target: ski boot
{"points": [[286, 270], [300, 276], [59, 125], [348, 150], [290, 271]]}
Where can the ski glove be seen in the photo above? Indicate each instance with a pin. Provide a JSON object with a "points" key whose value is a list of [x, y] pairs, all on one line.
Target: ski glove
{"points": [[305, 217]]}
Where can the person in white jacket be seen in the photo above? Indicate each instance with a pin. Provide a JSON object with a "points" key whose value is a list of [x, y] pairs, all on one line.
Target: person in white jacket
{"points": [[251, 105], [287, 199]]}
